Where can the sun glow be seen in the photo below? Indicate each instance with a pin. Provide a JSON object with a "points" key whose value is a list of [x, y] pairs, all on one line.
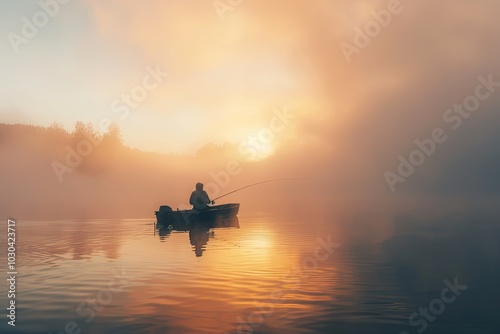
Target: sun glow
{"points": [[263, 152], [256, 148]]}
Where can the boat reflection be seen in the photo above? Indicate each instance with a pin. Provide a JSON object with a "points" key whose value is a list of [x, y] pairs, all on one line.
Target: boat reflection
{"points": [[199, 232]]}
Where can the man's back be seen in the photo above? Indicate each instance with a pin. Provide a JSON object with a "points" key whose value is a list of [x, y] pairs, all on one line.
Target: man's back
{"points": [[199, 199]]}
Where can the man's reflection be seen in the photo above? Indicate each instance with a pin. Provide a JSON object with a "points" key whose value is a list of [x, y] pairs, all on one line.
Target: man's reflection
{"points": [[198, 237], [199, 232]]}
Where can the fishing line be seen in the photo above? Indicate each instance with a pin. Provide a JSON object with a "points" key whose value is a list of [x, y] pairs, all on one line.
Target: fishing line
{"points": [[254, 184]]}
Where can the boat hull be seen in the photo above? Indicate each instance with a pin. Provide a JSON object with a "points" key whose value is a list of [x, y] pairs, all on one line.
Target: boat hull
{"points": [[214, 216]]}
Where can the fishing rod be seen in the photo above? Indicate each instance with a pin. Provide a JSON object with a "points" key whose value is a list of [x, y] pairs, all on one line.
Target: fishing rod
{"points": [[254, 184]]}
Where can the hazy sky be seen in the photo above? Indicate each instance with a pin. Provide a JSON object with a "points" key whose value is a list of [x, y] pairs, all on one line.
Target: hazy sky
{"points": [[230, 66]]}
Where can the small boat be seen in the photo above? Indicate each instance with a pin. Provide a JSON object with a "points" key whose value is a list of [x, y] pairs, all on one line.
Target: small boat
{"points": [[212, 217]]}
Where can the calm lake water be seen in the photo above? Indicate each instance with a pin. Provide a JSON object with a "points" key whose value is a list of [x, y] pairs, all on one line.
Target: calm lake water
{"points": [[363, 272]]}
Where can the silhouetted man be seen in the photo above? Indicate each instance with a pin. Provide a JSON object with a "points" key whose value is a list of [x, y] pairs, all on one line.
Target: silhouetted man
{"points": [[199, 198]]}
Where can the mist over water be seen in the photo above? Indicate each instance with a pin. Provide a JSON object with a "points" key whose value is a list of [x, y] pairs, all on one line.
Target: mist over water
{"points": [[58, 177], [43, 167]]}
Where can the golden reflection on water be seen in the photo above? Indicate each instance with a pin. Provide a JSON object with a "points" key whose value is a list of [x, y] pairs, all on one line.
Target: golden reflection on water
{"points": [[258, 267], [271, 274]]}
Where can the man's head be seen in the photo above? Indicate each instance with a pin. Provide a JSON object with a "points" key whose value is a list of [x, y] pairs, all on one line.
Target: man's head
{"points": [[199, 186]]}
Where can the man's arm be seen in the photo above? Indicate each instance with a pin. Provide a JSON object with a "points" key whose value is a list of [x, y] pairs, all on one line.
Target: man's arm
{"points": [[206, 196]]}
